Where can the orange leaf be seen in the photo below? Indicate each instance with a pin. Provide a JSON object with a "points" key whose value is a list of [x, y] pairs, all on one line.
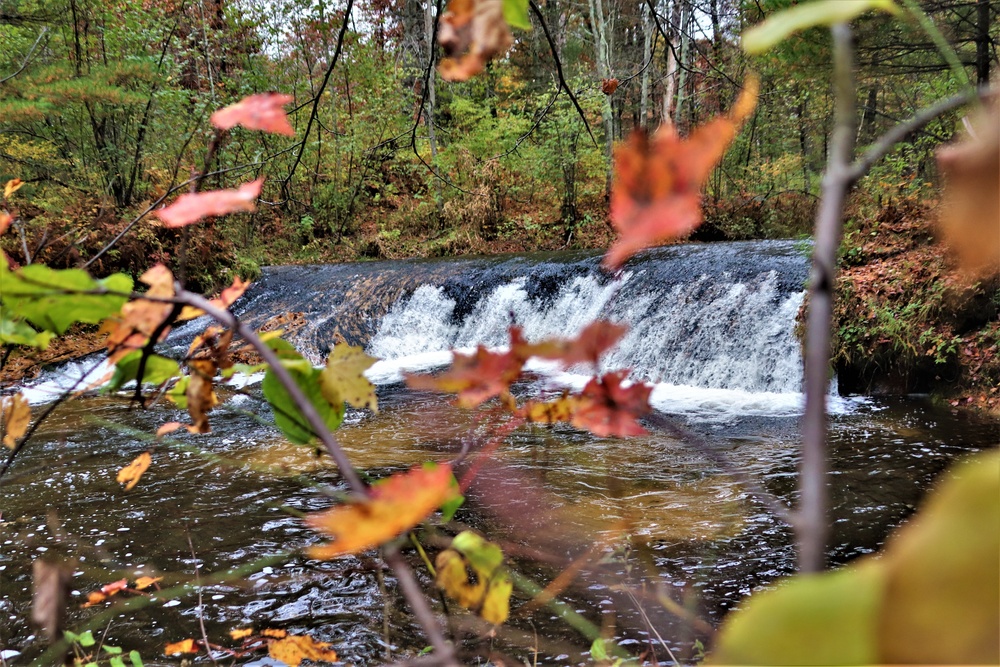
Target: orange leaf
{"points": [[143, 316], [15, 416], [130, 474], [292, 650], [240, 633], [256, 112], [94, 597], [5, 220], [13, 185], [474, 377], [606, 408], [200, 394], [471, 32], [395, 505], [657, 190], [273, 632], [971, 210], [183, 646], [595, 339], [193, 207], [169, 427], [609, 86], [143, 583], [224, 300], [114, 587]]}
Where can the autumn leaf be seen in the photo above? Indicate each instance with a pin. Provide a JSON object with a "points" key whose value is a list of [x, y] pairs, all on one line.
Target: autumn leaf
{"points": [[241, 633], [200, 394], [15, 416], [343, 380], [475, 377], [143, 583], [262, 111], [274, 632], [609, 86], [192, 207], [130, 474], [227, 298], [106, 591], [395, 505], [5, 220], [12, 186], [657, 188], [607, 408], [471, 33], [595, 339], [140, 317], [550, 412], [183, 646], [293, 649], [971, 207], [488, 593]]}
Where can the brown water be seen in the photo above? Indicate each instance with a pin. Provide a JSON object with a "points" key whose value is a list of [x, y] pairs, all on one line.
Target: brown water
{"points": [[666, 521]]}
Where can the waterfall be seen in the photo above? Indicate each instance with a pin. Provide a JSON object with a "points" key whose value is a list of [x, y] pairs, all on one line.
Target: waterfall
{"points": [[711, 326]]}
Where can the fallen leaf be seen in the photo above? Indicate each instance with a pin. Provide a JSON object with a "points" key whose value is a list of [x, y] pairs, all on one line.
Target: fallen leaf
{"points": [[240, 633], [971, 206], [262, 111], [169, 427], [143, 583], [471, 32], [273, 632], [656, 194], [292, 650], [12, 186], [183, 646], [192, 207], [395, 505], [15, 416], [343, 380], [130, 474]]}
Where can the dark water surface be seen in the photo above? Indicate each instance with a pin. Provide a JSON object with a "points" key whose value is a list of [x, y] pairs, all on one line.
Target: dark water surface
{"points": [[695, 535]]}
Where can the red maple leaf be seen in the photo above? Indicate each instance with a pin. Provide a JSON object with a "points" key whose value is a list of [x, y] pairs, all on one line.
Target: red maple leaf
{"points": [[595, 339], [606, 408], [658, 181], [475, 377], [257, 112], [191, 208]]}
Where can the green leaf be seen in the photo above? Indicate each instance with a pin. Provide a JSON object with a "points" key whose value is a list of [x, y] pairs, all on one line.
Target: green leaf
{"points": [[178, 393], [158, 370], [113, 650], [86, 639], [15, 332], [116, 661], [781, 25], [598, 652], [287, 415], [451, 506], [135, 658], [515, 13], [52, 299]]}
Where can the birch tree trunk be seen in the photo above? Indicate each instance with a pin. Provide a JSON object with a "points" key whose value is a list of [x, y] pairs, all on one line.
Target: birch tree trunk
{"points": [[647, 40], [685, 57], [599, 27], [670, 82], [431, 102]]}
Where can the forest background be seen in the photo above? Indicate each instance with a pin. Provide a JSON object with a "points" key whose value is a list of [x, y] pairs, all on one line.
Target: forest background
{"points": [[104, 111]]}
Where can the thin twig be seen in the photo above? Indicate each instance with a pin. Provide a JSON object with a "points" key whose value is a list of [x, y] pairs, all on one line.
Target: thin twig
{"points": [[201, 608], [27, 58], [811, 525]]}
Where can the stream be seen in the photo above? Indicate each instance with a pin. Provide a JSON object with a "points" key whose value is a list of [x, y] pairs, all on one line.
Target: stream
{"points": [[650, 518]]}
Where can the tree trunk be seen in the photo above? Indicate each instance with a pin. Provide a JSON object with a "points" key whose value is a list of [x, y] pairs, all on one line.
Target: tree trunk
{"points": [[647, 40], [431, 102], [599, 27], [983, 42]]}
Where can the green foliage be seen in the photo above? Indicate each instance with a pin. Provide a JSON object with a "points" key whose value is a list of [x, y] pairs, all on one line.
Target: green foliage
{"points": [[287, 415], [783, 24], [53, 300], [157, 370]]}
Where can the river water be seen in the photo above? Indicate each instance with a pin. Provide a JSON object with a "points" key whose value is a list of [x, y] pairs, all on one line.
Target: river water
{"points": [[666, 540]]}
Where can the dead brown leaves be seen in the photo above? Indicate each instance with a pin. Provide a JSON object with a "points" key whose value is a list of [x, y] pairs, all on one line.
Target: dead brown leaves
{"points": [[471, 33]]}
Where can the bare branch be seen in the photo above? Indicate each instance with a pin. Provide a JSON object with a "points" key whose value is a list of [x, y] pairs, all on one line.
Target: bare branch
{"points": [[27, 58]]}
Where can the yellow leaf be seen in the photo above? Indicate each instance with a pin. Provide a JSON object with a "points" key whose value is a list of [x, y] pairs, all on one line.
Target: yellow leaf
{"points": [[292, 650], [130, 474], [240, 633], [15, 415], [343, 378], [489, 596], [143, 583], [396, 504], [183, 646], [273, 632], [12, 186]]}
